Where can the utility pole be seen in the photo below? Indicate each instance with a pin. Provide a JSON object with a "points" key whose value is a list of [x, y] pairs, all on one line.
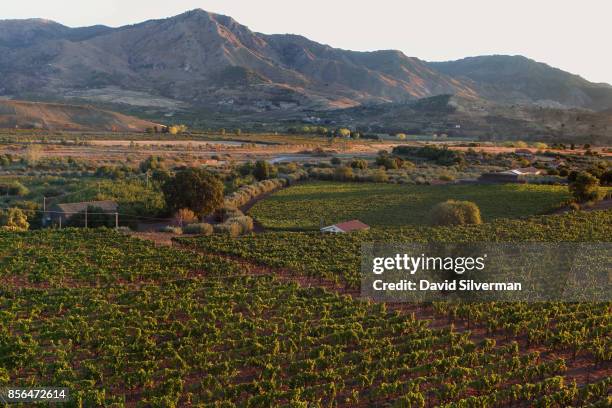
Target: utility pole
{"points": [[116, 220], [86, 217], [44, 220]]}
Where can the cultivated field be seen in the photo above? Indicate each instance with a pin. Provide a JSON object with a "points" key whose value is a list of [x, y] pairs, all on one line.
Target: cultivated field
{"points": [[218, 309], [386, 205]]}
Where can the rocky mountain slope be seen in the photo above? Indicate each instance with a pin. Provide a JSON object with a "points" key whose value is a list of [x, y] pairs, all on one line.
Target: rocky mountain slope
{"points": [[201, 59], [205, 67]]}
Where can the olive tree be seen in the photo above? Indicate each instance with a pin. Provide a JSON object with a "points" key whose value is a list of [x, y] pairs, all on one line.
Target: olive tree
{"points": [[195, 189]]}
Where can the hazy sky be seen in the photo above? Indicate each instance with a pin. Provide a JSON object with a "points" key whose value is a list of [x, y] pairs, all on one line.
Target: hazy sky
{"points": [[569, 34]]}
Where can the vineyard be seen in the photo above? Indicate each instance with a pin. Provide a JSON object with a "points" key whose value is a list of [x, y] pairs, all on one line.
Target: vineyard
{"points": [[303, 207], [121, 322], [336, 257]]}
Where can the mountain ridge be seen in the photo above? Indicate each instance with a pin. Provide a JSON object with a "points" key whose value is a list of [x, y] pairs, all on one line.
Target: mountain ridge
{"points": [[201, 61]]}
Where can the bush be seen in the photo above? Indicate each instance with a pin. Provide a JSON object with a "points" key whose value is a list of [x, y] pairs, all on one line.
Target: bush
{"points": [[14, 219], [264, 170], [246, 193], [171, 229], [585, 187], [233, 229], [14, 188], [359, 164], [185, 216], [199, 228], [245, 222], [344, 174], [454, 212], [226, 212], [380, 176]]}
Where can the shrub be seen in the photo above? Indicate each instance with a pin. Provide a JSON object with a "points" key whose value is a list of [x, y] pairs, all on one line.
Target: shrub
{"points": [[585, 187], [359, 164], [264, 170], [14, 188], [226, 212], [245, 222], [343, 173], [380, 176], [233, 229], [171, 229], [14, 219], [185, 216], [335, 161], [199, 228], [454, 212]]}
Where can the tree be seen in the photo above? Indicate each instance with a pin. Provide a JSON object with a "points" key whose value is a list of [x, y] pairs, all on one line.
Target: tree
{"points": [[195, 189], [454, 212], [14, 219], [401, 136], [335, 161], [263, 170], [151, 163], [585, 187]]}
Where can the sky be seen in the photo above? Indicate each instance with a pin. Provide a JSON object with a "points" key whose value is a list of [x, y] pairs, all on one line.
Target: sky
{"points": [[572, 35]]}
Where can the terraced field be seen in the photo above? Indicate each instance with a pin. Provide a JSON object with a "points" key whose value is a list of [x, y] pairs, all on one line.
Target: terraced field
{"points": [[303, 207]]}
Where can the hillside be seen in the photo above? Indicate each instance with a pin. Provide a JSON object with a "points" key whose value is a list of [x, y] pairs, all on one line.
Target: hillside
{"points": [[208, 70], [513, 79], [53, 116], [204, 60], [481, 119]]}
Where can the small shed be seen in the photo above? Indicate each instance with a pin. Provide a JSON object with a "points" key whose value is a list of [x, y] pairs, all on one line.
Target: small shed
{"points": [[346, 226], [60, 213]]}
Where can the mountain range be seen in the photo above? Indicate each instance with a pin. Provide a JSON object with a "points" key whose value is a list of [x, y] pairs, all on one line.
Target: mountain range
{"points": [[200, 61]]}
